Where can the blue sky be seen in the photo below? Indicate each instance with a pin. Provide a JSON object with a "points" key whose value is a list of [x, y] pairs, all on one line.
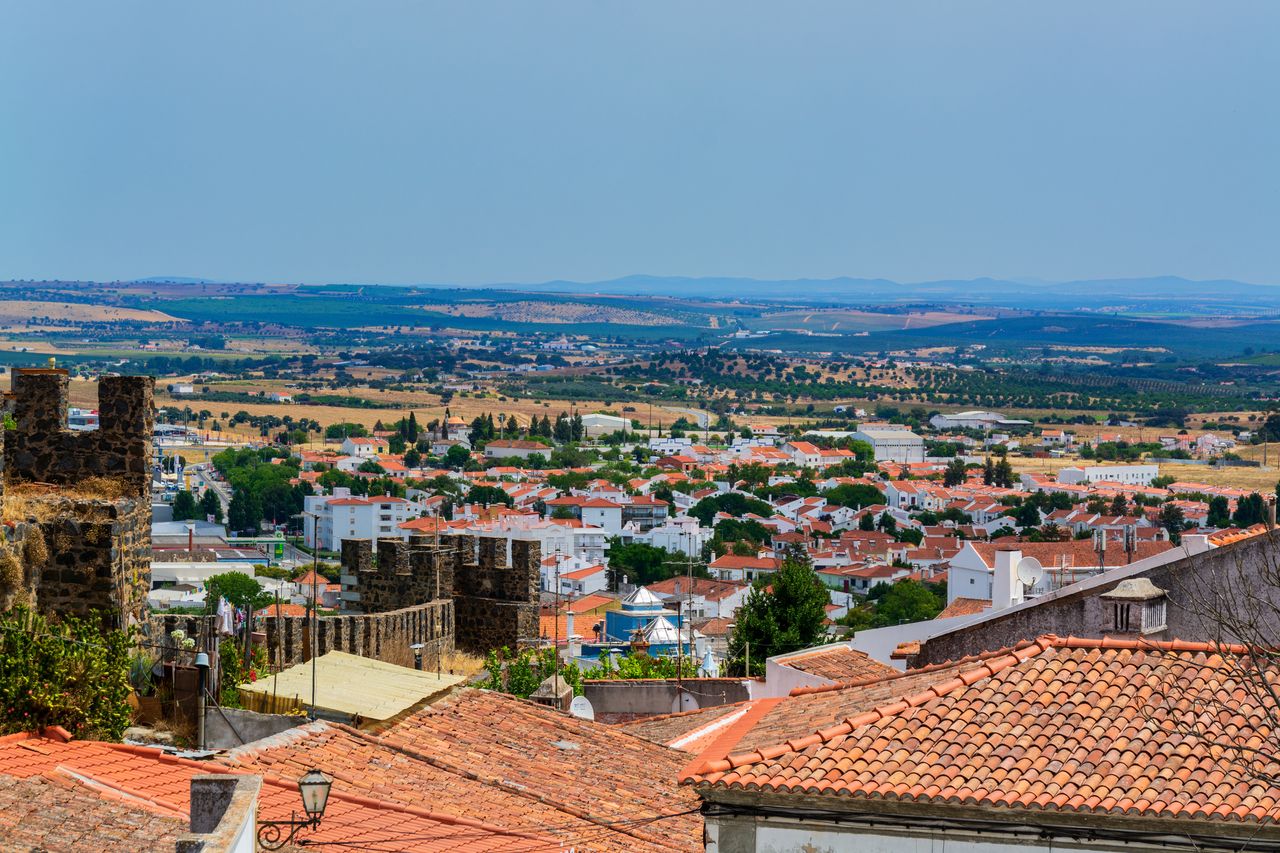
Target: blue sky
{"points": [[473, 142]]}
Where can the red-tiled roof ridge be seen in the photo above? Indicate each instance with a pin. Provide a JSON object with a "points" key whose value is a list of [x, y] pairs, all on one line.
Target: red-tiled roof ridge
{"points": [[933, 667], [567, 808], [730, 736], [997, 662]]}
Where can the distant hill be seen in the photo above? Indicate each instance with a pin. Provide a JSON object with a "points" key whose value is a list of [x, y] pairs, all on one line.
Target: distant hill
{"points": [[1221, 293], [172, 279]]}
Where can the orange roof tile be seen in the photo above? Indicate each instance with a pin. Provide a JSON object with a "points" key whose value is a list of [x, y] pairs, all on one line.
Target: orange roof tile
{"points": [[840, 663], [59, 813], [1070, 725], [161, 784], [371, 766], [965, 607], [578, 765]]}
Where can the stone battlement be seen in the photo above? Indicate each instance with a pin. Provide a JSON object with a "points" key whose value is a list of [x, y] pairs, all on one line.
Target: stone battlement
{"points": [[77, 504], [495, 599], [43, 450]]}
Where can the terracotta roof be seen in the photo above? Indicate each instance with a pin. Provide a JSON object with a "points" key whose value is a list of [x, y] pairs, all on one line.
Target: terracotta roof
{"points": [[766, 721], [577, 765], [1066, 725], [965, 607], [59, 813], [373, 767], [161, 783], [671, 728], [840, 663], [708, 588], [733, 561], [1077, 553]]}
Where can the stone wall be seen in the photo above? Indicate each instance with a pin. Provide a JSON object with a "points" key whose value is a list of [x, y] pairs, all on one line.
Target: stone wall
{"points": [[382, 636], [43, 450], [406, 574], [82, 556], [81, 553], [495, 599]]}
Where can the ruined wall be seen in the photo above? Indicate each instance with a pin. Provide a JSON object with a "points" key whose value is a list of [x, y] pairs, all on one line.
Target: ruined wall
{"points": [[79, 551], [43, 450], [495, 600], [97, 557], [382, 636]]}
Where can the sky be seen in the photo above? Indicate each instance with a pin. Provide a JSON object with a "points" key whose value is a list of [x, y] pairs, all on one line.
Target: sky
{"points": [[479, 142]]}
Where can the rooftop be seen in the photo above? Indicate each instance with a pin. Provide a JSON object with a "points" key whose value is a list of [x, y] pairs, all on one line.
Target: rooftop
{"points": [[1066, 725]]}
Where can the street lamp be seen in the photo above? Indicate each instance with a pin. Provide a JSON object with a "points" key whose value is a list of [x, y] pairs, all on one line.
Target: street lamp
{"points": [[314, 788]]}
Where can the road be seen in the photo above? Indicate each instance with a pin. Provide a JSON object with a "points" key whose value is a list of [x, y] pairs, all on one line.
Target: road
{"points": [[701, 418]]}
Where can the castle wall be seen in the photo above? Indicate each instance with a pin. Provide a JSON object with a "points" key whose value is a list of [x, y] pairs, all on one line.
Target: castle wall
{"points": [[495, 600], [98, 558], [382, 636], [43, 450]]}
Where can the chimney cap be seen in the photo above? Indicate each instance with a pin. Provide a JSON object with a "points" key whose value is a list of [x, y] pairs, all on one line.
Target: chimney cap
{"points": [[1133, 589]]}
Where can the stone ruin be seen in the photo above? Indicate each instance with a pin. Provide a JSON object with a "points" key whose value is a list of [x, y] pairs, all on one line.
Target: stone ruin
{"points": [[458, 592], [77, 505], [495, 599]]}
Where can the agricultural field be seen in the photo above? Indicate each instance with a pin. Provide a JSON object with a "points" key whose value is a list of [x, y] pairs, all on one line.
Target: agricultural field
{"points": [[848, 321]]}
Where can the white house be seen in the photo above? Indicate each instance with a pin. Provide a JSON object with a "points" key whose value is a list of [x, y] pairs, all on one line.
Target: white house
{"points": [[363, 447], [328, 519]]}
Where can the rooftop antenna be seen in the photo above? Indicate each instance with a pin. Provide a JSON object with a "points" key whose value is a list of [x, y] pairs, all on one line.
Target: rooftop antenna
{"points": [[1030, 573]]}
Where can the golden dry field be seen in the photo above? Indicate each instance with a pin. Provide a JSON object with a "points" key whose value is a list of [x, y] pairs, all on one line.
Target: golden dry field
{"points": [[20, 313]]}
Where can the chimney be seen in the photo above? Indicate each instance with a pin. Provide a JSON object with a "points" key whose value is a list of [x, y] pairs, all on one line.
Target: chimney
{"points": [[568, 629], [1005, 586]]}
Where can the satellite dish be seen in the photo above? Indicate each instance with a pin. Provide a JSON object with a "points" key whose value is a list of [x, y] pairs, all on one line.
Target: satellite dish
{"points": [[581, 708], [1030, 572], [684, 702]]}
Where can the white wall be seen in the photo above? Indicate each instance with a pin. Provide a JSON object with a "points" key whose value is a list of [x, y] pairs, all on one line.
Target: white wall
{"points": [[779, 836]]}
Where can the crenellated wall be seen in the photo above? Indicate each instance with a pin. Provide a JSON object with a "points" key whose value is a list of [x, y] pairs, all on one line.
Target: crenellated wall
{"points": [[43, 450], [494, 599], [382, 636], [80, 552]]}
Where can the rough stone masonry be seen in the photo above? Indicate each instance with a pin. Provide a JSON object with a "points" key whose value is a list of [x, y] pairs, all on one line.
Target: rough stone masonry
{"points": [[97, 551]]}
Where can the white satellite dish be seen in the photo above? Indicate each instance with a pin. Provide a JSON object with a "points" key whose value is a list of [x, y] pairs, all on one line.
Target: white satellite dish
{"points": [[1030, 572], [581, 708], [683, 702]]}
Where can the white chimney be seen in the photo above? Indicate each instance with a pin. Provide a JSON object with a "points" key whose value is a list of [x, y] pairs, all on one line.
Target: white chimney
{"points": [[568, 629], [1005, 586]]}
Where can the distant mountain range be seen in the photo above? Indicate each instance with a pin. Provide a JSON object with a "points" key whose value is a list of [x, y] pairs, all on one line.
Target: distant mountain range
{"points": [[980, 290]]}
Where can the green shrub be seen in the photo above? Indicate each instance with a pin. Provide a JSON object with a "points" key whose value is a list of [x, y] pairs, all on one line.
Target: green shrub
{"points": [[68, 673]]}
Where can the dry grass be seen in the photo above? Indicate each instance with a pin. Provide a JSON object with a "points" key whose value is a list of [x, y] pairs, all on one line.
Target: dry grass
{"points": [[461, 663], [23, 311], [43, 502]]}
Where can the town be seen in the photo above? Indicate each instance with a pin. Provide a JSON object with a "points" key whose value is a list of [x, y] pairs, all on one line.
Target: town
{"points": [[641, 600], [828, 427]]}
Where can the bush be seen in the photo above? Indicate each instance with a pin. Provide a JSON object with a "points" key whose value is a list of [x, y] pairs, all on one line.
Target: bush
{"points": [[69, 673]]}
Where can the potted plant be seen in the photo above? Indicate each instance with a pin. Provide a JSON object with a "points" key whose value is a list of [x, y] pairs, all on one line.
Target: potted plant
{"points": [[146, 704]]}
